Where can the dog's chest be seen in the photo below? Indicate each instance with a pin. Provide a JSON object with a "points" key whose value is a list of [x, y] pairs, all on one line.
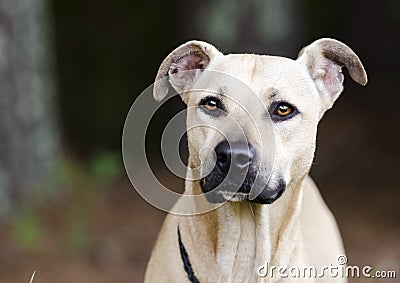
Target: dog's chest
{"points": [[243, 245]]}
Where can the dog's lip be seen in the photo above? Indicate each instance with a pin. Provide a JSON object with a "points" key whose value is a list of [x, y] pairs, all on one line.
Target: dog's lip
{"points": [[240, 196], [234, 196]]}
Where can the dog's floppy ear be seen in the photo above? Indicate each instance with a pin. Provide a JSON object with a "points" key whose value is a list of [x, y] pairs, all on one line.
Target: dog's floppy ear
{"points": [[324, 59], [182, 67]]}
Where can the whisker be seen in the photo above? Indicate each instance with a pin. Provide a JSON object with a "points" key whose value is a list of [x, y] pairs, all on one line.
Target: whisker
{"points": [[252, 212]]}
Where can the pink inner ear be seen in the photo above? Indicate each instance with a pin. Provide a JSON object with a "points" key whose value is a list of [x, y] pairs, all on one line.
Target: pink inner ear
{"points": [[184, 70], [187, 62], [330, 78], [334, 75]]}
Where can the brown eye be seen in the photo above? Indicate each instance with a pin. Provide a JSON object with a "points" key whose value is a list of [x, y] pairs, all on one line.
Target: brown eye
{"points": [[211, 105], [283, 109]]}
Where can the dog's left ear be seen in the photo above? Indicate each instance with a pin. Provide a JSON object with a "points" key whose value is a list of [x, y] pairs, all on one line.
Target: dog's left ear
{"points": [[324, 59]]}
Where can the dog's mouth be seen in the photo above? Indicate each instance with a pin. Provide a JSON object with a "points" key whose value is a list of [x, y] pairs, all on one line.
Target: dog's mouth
{"points": [[231, 196], [261, 199], [219, 188]]}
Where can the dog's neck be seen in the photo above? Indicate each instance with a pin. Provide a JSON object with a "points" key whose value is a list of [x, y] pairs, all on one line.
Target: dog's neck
{"points": [[238, 237]]}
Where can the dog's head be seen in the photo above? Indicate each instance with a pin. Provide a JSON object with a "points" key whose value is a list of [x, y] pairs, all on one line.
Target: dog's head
{"points": [[252, 119]]}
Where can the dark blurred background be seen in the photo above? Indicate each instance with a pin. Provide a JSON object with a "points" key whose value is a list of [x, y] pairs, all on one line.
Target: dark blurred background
{"points": [[69, 72]]}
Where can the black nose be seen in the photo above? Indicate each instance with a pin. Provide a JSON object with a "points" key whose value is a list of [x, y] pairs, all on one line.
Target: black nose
{"points": [[236, 155]]}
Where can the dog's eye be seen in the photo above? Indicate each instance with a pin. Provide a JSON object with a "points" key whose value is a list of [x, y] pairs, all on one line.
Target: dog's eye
{"points": [[211, 104], [282, 111]]}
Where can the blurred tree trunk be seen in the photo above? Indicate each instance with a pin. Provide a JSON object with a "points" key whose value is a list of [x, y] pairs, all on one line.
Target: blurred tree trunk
{"points": [[28, 140]]}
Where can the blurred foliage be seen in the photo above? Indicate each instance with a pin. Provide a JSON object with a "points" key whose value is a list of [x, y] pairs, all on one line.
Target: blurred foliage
{"points": [[96, 173], [105, 166], [220, 21], [77, 236], [235, 24], [27, 228], [83, 183]]}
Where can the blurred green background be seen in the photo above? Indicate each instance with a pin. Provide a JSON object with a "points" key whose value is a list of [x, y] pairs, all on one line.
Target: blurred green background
{"points": [[69, 72]]}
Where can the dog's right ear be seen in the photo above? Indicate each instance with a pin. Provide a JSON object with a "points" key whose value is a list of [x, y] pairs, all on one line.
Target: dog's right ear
{"points": [[182, 67]]}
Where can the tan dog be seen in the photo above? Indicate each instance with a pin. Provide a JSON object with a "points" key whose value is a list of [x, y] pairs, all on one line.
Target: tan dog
{"points": [[273, 213]]}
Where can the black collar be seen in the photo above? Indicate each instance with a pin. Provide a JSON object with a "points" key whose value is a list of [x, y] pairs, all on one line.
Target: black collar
{"points": [[185, 258]]}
